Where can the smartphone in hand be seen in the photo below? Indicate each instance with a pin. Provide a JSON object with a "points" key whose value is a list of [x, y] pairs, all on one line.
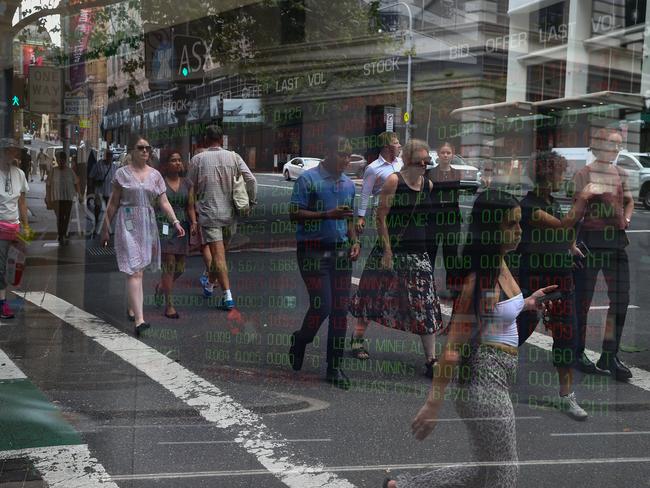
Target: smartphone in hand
{"points": [[547, 297]]}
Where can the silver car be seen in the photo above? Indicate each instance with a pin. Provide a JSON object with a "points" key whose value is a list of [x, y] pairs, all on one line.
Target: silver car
{"points": [[357, 166]]}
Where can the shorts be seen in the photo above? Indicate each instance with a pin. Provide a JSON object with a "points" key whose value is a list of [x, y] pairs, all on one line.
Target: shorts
{"points": [[216, 234]]}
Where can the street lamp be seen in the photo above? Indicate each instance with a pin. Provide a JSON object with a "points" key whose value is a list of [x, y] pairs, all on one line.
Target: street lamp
{"points": [[407, 118]]}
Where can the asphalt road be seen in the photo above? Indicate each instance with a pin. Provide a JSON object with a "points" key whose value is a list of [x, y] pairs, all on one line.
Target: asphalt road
{"points": [[210, 400]]}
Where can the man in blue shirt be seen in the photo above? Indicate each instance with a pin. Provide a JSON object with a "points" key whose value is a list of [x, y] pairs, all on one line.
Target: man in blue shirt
{"points": [[321, 204]]}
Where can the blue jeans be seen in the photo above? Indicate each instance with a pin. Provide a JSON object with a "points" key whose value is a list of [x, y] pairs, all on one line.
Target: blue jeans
{"points": [[327, 273]]}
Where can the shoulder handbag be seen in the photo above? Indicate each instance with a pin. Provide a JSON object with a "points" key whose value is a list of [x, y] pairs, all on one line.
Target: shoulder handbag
{"points": [[240, 199]]}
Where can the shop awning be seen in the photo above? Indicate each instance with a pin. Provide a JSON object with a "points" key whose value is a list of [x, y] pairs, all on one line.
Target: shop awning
{"points": [[604, 99]]}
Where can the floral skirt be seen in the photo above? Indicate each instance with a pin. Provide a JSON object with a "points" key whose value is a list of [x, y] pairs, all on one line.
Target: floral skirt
{"points": [[403, 298]]}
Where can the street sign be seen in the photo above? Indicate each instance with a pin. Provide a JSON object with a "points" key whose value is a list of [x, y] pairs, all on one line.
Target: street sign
{"points": [[45, 90], [390, 121], [406, 117], [189, 58], [76, 106], [84, 123]]}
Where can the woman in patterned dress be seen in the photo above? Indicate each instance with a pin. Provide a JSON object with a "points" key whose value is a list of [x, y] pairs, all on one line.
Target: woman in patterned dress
{"points": [[404, 296], [136, 188], [180, 194]]}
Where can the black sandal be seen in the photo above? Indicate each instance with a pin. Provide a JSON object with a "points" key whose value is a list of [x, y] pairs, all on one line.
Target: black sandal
{"points": [[140, 328], [429, 367], [129, 316], [358, 348]]}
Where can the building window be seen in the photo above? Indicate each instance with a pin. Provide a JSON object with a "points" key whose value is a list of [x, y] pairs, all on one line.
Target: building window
{"points": [[634, 12], [608, 79], [549, 24], [292, 21], [546, 81], [616, 14]]}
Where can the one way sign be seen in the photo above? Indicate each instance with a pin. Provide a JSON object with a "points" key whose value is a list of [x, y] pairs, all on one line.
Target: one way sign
{"points": [[45, 90]]}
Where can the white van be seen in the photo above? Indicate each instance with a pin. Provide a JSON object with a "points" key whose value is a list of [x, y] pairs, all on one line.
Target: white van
{"points": [[577, 158], [637, 166]]}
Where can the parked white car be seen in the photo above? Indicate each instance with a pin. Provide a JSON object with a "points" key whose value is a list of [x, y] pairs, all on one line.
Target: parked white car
{"points": [[293, 168], [471, 176], [27, 138]]}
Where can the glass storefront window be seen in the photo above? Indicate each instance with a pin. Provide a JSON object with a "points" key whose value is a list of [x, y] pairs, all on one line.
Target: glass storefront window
{"points": [[261, 243]]}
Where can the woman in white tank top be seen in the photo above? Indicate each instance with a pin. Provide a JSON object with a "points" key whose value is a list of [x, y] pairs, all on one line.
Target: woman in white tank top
{"points": [[483, 342]]}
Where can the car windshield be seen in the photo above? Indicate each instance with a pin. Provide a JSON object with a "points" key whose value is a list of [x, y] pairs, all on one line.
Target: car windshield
{"points": [[311, 161], [456, 161], [644, 160]]}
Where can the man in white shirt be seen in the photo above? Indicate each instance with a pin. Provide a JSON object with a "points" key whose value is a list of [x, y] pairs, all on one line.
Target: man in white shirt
{"points": [[376, 174]]}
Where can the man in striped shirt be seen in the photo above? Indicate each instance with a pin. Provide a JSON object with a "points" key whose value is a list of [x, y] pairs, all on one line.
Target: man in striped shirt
{"points": [[211, 172]]}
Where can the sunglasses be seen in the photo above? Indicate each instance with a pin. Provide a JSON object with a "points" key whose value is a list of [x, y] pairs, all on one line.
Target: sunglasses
{"points": [[143, 148]]}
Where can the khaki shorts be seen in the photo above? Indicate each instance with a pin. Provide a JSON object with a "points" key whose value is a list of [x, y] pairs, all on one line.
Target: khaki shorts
{"points": [[215, 234]]}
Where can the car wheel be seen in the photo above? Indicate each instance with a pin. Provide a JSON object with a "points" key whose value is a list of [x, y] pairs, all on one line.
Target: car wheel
{"points": [[286, 175]]}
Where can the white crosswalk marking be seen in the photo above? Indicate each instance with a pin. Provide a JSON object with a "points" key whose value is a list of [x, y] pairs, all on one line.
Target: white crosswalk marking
{"points": [[248, 430], [65, 466]]}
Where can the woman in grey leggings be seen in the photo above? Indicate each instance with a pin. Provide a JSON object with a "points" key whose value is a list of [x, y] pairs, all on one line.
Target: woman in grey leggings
{"points": [[483, 343]]}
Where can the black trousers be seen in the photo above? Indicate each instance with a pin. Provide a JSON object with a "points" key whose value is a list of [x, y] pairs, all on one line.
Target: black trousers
{"points": [[444, 230], [62, 209], [616, 270], [327, 273], [561, 315]]}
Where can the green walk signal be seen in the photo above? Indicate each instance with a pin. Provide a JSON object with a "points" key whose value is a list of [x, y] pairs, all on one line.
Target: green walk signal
{"points": [[15, 101], [185, 72]]}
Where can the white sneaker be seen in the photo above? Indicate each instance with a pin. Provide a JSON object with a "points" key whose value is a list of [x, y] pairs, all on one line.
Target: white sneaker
{"points": [[569, 405]]}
